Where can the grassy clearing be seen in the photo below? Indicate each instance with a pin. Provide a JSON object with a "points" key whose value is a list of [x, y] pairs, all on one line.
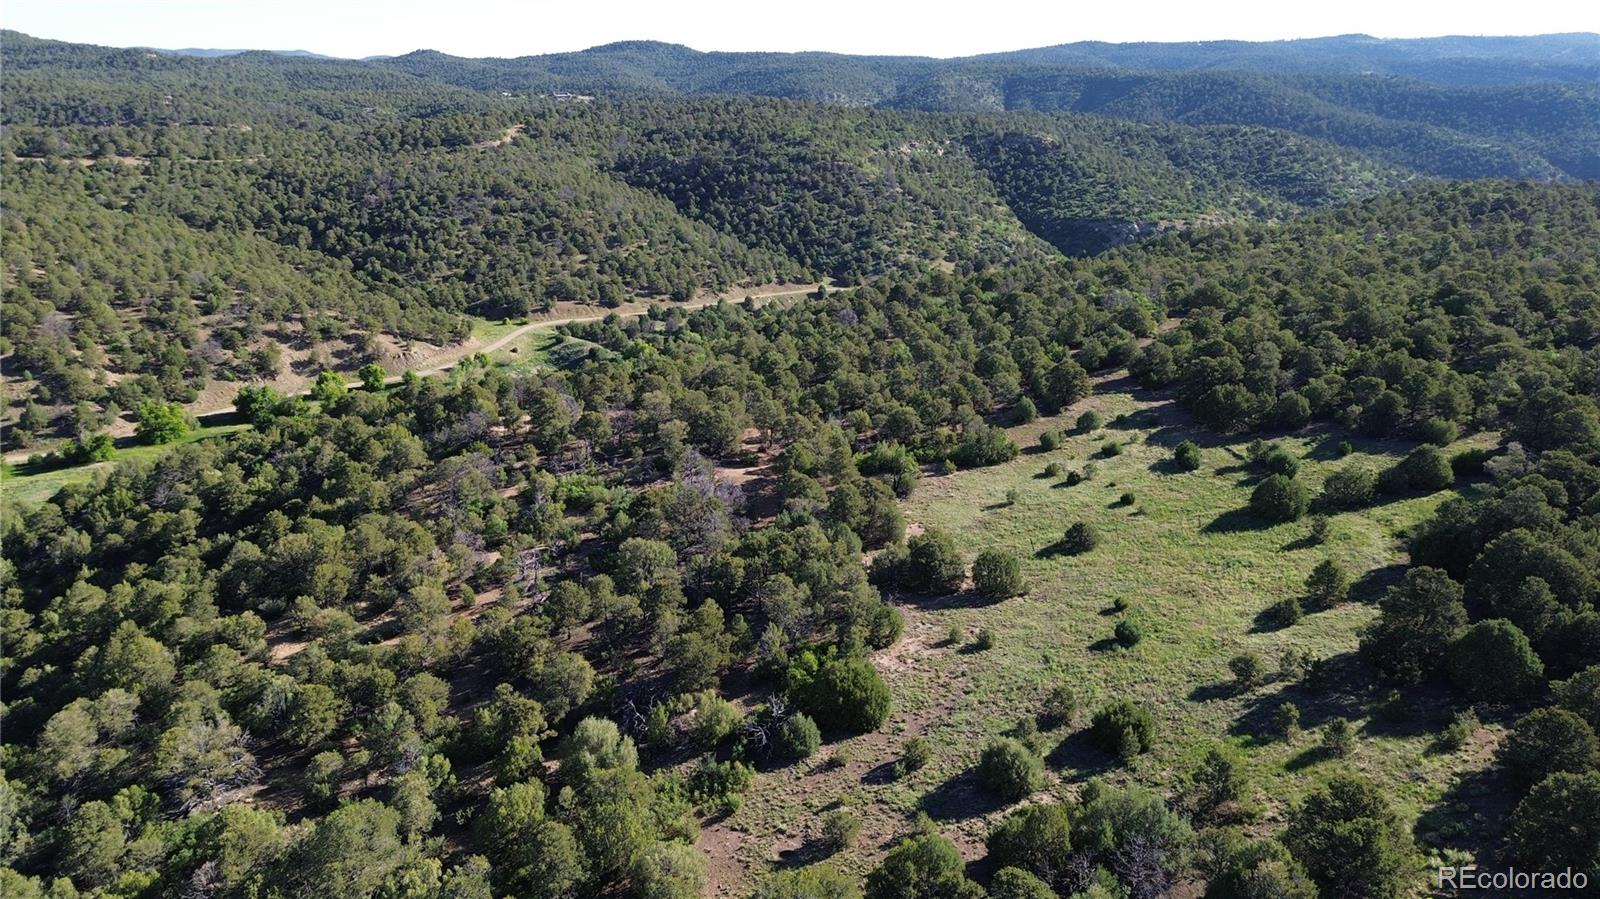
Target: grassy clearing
{"points": [[22, 485], [540, 349], [1195, 573]]}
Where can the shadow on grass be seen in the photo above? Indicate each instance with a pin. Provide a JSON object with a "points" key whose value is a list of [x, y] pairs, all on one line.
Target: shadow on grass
{"points": [[881, 774], [1255, 721], [1370, 587], [959, 798], [1214, 692], [1234, 522], [1105, 644], [1471, 815], [1078, 754]]}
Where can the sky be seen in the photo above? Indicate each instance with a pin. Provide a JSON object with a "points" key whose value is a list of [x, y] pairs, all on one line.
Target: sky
{"points": [[355, 28]]}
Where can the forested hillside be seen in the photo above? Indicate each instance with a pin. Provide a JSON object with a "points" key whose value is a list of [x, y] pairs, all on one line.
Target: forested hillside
{"points": [[321, 214], [1175, 487], [478, 636]]}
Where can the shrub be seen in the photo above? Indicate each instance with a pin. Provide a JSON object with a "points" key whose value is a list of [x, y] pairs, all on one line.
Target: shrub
{"points": [[1080, 538], [1248, 669], [1025, 411], [1327, 585], [1317, 534], [1015, 883], [1424, 469], [1548, 741], [161, 422], [1036, 839], [1123, 729], [1460, 729], [1128, 633], [923, 866], [1556, 826], [1053, 470], [983, 445], [1012, 496], [1493, 660], [1350, 487], [1285, 612], [1060, 706], [1127, 499], [1110, 448], [1345, 448], [933, 565], [1286, 720], [1010, 770], [1263, 869], [842, 693], [714, 719], [1090, 421], [798, 737], [1074, 478], [997, 575], [1050, 440], [839, 829], [1187, 456], [985, 640], [1438, 431], [1351, 840], [1470, 462], [954, 635], [1580, 694], [1278, 461], [1278, 499], [914, 755], [1338, 738]]}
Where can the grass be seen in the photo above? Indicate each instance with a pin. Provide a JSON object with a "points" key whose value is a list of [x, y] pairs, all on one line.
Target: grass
{"points": [[540, 349], [23, 485], [1195, 571]]}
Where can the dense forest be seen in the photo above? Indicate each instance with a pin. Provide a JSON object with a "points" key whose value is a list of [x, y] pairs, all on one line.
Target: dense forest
{"points": [[535, 631]]}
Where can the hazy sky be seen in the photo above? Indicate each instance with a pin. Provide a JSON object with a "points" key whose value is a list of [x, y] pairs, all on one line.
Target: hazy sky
{"points": [[930, 27]]}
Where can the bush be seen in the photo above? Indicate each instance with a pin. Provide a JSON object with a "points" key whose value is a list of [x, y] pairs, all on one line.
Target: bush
{"points": [[1015, 883], [914, 755], [1278, 499], [1080, 538], [1278, 461], [1286, 720], [1460, 729], [1050, 440], [1060, 706], [1110, 448], [1187, 456], [1285, 612], [1351, 840], [1090, 421], [1344, 448], [1548, 741], [933, 565], [1556, 826], [1327, 585], [839, 829], [1010, 770], [1127, 499], [1438, 431], [984, 445], [1075, 477], [1424, 469], [1263, 869], [997, 575], [923, 866], [1248, 669], [1494, 661], [1348, 488], [1025, 411], [1470, 462], [1123, 729], [985, 640], [161, 422], [841, 693], [1317, 534], [714, 719], [1036, 839], [799, 737], [1128, 633], [1052, 470], [1338, 738]]}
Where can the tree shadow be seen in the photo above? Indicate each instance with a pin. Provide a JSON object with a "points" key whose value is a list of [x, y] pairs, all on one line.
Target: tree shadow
{"points": [[1471, 815], [1133, 421], [1105, 644], [1078, 753], [1255, 720], [1168, 467], [959, 798], [1235, 521], [883, 773], [1373, 584], [1214, 692]]}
